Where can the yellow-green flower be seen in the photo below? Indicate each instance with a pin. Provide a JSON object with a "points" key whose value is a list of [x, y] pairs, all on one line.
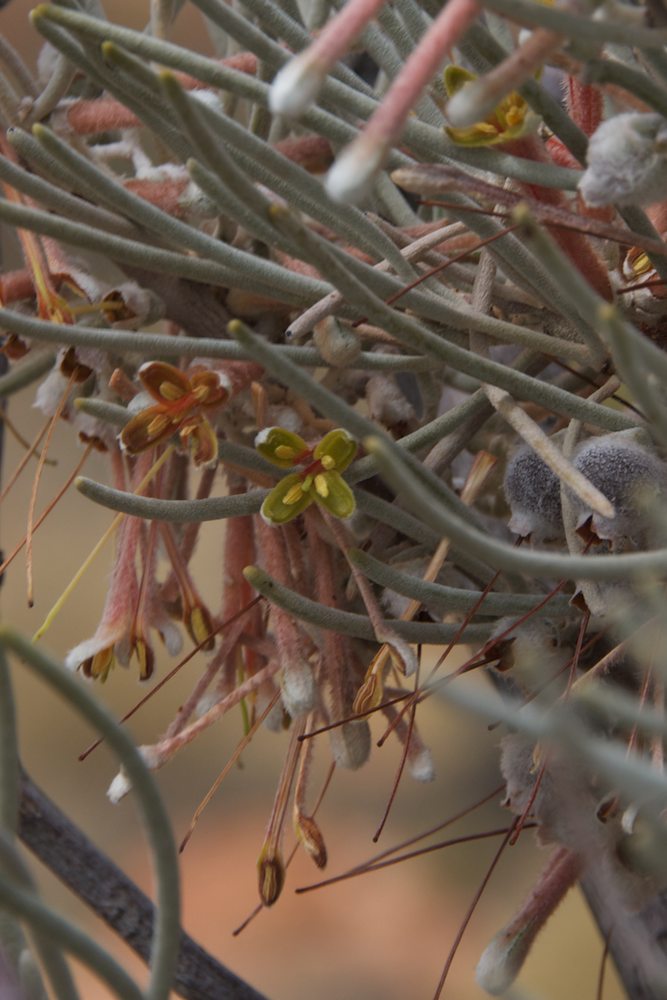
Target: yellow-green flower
{"points": [[319, 481], [508, 120]]}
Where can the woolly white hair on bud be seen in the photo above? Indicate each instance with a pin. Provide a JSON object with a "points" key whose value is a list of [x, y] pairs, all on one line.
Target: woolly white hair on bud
{"points": [[627, 161], [298, 687], [352, 175], [421, 765], [119, 788], [121, 784], [296, 86], [501, 963], [350, 744], [532, 491], [470, 104], [630, 475]]}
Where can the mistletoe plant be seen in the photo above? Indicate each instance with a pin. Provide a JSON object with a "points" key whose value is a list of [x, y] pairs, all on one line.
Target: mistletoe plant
{"points": [[333, 286]]}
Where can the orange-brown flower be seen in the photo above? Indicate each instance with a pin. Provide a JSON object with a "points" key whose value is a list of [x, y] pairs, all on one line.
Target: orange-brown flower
{"points": [[182, 400]]}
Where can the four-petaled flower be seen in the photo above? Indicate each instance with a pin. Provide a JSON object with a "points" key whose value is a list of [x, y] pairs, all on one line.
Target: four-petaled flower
{"points": [[508, 120], [182, 399], [320, 480]]}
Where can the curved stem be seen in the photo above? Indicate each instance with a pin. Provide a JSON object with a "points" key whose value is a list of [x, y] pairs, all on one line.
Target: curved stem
{"points": [[167, 928]]}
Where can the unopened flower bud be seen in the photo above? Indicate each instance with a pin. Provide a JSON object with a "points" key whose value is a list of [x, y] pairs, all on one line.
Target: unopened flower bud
{"points": [[311, 837], [350, 744], [299, 691], [271, 874], [627, 161]]}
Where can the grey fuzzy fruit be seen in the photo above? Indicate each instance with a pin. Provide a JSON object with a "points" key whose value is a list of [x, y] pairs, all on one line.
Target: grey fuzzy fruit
{"points": [[532, 491], [631, 476], [626, 161]]}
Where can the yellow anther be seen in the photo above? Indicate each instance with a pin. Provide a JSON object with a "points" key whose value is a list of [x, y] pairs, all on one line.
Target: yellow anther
{"points": [[170, 391], [328, 462], [294, 494], [321, 486]]}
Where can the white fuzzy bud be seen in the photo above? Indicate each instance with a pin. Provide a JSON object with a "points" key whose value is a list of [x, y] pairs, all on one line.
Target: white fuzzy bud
{"points": [[350, 744], [352, 175], [627, 161], [121, 784], [421, 765], [298, 687], [501, 963], [296, 86]]}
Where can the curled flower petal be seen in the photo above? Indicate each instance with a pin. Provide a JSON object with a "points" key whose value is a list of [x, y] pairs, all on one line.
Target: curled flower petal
{"points": [[164, 382], [202, 439]]}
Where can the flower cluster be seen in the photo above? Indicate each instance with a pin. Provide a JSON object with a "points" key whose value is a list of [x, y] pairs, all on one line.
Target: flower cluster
{"points": [[319, 481]]}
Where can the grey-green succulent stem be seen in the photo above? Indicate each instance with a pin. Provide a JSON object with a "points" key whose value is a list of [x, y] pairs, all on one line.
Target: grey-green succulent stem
{"points": [[155, 345], [20, 376], [415, 19], [278, 282], [9, 100], [167, 926], [50, 196], [390, 513], [174, 511], [579, 28], [584, 299], [18, 69], [50, 955], [134, 84], [349, 221], [501, 555], [236, 195], [267, 166], [220, 508], [68, 46], [29, 908], [263, 274], [408, 330], [229, 204], [453, 598], [56, 88], [349, 623], [632, 367], [424, 139], [639, 84], [101, 409]]}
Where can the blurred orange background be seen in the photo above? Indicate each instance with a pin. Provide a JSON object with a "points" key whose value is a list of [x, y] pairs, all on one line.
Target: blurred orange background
{"points": [[384, 936]]}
